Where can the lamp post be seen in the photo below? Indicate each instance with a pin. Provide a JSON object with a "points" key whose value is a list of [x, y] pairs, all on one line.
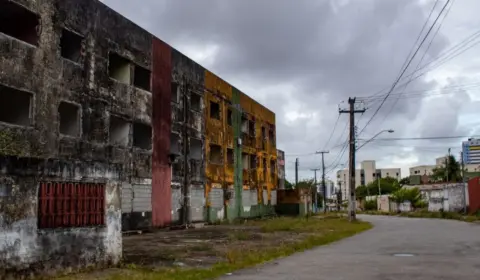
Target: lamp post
{"points": [[370, 140]]}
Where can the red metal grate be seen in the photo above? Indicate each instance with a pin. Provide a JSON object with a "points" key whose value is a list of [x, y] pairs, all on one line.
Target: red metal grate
{"points": [[67, 205]]}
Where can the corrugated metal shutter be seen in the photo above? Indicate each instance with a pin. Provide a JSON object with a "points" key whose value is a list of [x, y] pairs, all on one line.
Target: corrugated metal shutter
{"points": [[273, 197], [142, 198], [176, 204], [197, 203], [254, 197], [216, 198], [265, 197], [246, 198], [127, 197]]}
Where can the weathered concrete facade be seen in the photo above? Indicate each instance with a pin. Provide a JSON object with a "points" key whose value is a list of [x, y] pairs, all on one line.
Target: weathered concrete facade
{"points": [[104, 128]]}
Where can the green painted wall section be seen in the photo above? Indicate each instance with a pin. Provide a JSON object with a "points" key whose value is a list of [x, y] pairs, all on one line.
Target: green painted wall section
{"points": [[238, 168]]}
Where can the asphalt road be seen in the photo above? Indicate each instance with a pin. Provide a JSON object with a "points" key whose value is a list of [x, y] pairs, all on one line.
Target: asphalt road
{"points": [[441, 249]]}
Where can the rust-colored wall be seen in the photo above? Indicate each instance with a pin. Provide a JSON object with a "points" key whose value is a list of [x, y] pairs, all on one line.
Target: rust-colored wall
{"points": [[218, 131], [474, 195], [161, 123]]}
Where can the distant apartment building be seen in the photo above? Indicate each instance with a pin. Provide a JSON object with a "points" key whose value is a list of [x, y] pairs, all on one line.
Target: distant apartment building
{"points": [[422, 170], [471, 151], [365, 175]]}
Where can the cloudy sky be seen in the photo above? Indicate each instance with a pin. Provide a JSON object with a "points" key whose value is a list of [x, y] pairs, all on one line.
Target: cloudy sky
{"points": [[303, 58]]}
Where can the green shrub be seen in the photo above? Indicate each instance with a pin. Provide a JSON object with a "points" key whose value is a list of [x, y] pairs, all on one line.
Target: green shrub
{"points": [[371, 205]]}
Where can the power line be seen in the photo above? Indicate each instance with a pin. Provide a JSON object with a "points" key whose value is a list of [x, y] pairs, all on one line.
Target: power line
{"points": [[421, 59], [426, 138], [406, 67], [333, 131]]}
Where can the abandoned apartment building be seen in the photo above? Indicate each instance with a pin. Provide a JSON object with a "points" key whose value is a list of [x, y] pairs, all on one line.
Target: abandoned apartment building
{"points": [[105, 128]]}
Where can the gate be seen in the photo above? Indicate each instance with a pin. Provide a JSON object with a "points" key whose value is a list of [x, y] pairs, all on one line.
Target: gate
{"points": [[136, 207]]}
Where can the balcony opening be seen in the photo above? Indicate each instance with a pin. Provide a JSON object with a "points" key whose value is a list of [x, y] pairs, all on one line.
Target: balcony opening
{"points": [[175, 143], [271, 136], [272, 167], [142, 136], [216, 154], [119, 131], [251, 128], [264, 133], [195, 149], [19, 22], [69, 117], [264, 166], [175, 92], [196, 102], [141, 78], [230, 157], [214, 110], [245, 161], [244, 125], [71, 46], [229, 117], [253, 162], [119, 68], [14, 106]]}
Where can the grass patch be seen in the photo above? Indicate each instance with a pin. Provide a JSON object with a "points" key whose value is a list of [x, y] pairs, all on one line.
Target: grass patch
{"points": [[430, 215], [318, 232]]}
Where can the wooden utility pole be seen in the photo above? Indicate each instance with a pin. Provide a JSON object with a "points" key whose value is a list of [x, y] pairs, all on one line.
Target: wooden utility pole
{"points": [[315, 184], [296, 172], [352, 111], [324, 189]]}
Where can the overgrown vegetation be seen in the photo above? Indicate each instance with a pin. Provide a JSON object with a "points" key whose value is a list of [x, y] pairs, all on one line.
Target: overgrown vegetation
{"points": [[308, 233], [371, 205], [388, 185], [450, 172]]}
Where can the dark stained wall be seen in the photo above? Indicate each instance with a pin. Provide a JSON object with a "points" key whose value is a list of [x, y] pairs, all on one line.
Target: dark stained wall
{"points": [[161, 172]]}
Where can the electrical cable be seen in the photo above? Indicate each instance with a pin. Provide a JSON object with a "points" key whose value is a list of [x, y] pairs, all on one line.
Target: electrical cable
{"points": [[406, 67]]}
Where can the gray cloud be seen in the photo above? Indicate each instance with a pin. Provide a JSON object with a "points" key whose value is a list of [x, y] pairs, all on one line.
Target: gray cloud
{"points": [[304, 57]]}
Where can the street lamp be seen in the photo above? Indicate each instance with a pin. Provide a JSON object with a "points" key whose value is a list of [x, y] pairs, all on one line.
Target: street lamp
{"points": [[371, 139]]}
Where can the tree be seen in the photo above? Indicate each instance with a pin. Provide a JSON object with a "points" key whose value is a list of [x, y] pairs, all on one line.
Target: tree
{"points": [[452, 170], [387, 185], [288, 185], [404, 181]]}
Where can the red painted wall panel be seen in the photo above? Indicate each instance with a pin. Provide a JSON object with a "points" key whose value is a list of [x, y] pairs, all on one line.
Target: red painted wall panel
{"points": [[161, 123], [474, 195]]}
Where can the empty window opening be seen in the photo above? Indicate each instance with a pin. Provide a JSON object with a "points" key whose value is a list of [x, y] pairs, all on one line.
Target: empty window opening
{"points": [[253, 162], [264, 133], [175, 92], [119, 131], [18, 22], [245, 161], [71, 45], [214, 110], [244, 125], [251, 128], [69, 117], [14, 106], [230, 156], [141, 78], [229, 117], [264, 165], [195, 102], [175, 143], [142, 136], [216, 154], [271, 136], [272, 167], [119, 68], [195, 149], [71, 205]]}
